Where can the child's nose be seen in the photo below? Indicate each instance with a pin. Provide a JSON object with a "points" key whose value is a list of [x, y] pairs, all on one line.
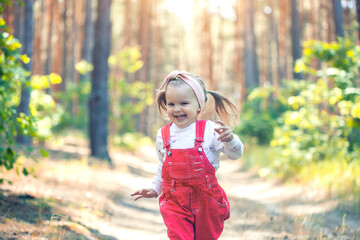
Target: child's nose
{"points": [[177, 108]]}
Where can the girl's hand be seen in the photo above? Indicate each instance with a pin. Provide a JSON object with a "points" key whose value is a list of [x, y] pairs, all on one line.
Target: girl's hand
{"points": [[225, 133], [145, 193]]}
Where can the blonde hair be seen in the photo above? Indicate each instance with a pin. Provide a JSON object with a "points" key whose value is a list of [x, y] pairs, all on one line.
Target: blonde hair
{"points": [[224, 108]]}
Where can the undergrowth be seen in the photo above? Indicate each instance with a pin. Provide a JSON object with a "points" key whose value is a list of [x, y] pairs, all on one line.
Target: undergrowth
{"points": [[338, 176]]}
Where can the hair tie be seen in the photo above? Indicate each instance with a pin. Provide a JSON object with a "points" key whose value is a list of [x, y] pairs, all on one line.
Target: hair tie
{"points": [[189, 80]]}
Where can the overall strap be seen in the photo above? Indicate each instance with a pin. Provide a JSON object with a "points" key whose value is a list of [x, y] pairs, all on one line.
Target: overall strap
{"points": [[200, 130], [165, 133]]}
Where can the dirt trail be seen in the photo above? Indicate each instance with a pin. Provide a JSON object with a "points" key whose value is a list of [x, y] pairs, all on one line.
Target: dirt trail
{"points": [[94, 202]]}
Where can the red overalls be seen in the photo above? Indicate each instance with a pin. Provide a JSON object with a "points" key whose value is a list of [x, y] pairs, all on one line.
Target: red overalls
{"points": [[193, 204]]}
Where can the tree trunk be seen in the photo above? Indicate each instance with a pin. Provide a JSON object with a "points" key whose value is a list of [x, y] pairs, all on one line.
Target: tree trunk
{"points": [[8, 14], [64, 73], [127, 24], [249, 75], [37, 63], [88, 33], [277, 79], [358, 16], [255, 61], [48, 61], [18, 20], [74, 40], [338, 18], [206, 48], [219, 69], [238, 70], [250, 55], [98, 101], [295, 37], [144, 40], [146, 76], [283, 33], [56, 68], [28, 50]]}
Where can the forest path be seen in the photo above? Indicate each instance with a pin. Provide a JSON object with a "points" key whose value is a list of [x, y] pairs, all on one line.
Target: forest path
{"points": [[93, 202]]}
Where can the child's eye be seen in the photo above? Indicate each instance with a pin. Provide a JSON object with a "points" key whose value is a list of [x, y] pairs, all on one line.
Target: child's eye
{"points": [[184, 103], [170, 104]]}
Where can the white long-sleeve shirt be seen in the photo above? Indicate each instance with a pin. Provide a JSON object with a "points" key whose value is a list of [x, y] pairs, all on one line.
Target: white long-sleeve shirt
{"points": [[185, 138]]}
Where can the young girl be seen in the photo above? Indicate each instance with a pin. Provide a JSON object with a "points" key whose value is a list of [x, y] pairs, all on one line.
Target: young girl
{"points": [[192, 203]]}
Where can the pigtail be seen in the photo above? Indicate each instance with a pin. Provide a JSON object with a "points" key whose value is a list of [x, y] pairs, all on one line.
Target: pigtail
{"points": [[161, 102], [225, 109]]}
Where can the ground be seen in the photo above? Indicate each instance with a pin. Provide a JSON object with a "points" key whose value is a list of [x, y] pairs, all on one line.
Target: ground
{"points": [[76, 197]]}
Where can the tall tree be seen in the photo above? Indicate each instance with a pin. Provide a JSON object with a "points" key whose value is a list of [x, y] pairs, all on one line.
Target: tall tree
{"points": [[39, 16], [144, 40], [28, 50], [255, 61], [207, 48], [127, 23], [358, 15], [295, 36], [18, 20], [250, 55], [98, 101], [75, 37], [274, 49], [50, 21], [144, 36], [338, 18], [64, 72], [283, 30], [87, 29], [238, 41], [57, 56]]}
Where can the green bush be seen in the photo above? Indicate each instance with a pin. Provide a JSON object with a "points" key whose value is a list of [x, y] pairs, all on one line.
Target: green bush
{"points": [[128, 98], [68, 116], [43, 108], [259, 115], [318, 137], [12, 77], [316, 123]]}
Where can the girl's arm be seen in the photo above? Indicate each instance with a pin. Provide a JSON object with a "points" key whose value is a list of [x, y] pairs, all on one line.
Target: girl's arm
{"points": [[160, 151], [230, 143], [145, 193]]}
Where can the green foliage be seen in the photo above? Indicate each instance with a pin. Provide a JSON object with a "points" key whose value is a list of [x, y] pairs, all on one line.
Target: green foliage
{"points": [[128, 98], [132, 100], [318, 138], [313, 130], [13, 77], [73, 110], [83, 67], [43, 107], [317, 128], [259, 115], [324, 119], [128, 59], [68, 115]]}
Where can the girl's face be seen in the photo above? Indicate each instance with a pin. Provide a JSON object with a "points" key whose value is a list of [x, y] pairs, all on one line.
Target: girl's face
{"points": [[182, 105]]}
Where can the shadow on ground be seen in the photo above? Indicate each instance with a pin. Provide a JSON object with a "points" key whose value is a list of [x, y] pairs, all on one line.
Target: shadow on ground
{"points": [[23, 216]]}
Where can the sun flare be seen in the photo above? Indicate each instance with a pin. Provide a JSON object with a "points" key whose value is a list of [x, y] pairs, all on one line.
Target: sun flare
{"points": [[183, 9]]}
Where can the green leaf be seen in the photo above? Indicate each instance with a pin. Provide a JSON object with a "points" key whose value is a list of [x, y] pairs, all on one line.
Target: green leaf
{"points": [[30, 149], [44, 153], [25, 172]]}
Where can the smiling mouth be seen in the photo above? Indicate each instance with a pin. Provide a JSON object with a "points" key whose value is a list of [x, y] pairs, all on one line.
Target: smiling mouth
{"points": [[180, 116]]}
